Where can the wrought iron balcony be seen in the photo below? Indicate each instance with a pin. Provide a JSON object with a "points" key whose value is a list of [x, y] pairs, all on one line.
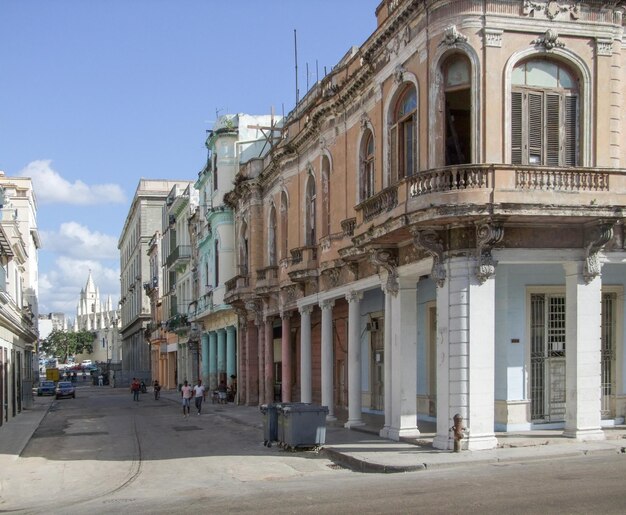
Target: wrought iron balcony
{"points": [[181, 255]]}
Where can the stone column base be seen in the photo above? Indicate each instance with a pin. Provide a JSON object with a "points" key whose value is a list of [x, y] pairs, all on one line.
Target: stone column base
{"points": [[585, 434], [407, 432], [354, 423]]}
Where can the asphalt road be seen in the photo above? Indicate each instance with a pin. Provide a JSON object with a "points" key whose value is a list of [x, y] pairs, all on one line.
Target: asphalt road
{"points": [[104, 453]]}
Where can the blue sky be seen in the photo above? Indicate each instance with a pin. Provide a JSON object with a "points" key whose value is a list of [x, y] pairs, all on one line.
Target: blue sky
{"points": [[96, 94]]}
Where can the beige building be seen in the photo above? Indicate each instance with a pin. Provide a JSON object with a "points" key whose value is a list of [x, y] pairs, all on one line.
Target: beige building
{"points": [[440, 230], [19, 244]]}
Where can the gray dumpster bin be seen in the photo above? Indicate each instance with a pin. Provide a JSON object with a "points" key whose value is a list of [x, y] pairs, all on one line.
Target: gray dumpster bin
{"points": [[270, 423], [302, 425]]}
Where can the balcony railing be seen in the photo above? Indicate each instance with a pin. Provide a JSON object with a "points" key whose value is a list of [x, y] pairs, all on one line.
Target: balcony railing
{"points": [[382, 202], [180, 254]]}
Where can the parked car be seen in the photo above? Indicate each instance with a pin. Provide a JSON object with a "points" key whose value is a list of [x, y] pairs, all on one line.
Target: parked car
{"points": [[46, 388], [65, 389]]}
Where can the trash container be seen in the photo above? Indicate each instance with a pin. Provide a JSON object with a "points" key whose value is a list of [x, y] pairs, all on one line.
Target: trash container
{"points": [[270, 423], [302, 425]]}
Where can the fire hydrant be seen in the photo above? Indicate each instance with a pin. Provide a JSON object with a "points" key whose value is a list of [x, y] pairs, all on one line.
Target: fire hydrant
{"points": [[459, 431]]}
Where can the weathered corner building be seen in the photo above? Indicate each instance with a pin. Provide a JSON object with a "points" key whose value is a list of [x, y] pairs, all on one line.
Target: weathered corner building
{"points": [[440, 229]]}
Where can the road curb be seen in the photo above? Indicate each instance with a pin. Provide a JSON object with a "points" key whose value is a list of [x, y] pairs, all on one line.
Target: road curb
{"points": [[358, 465]]}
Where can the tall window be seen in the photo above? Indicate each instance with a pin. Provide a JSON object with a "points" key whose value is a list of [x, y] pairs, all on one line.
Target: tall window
{"points": [[310, 211], [403, 135], [325, 196], [271, 239], [243, 249], [458, 102], [216, 263], [284, 229], [544, 114], [366, 172]]}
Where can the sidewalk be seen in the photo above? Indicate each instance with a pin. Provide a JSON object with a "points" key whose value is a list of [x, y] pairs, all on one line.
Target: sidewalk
{"points": [[362, 449]]}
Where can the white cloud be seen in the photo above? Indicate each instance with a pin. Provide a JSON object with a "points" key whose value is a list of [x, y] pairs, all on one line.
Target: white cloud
{"points": [[77, 241], [51, 188], [59, 288]]}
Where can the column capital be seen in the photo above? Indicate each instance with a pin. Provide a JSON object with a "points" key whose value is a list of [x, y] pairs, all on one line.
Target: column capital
{"points": [[353, 296], [285, 315], [306, 310], [488, 234], [327, 304], [595, 238]]}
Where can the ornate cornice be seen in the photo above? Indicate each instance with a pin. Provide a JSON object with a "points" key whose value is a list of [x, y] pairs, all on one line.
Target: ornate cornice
{"points": [[386, 259], [595, 239], [432, 244]]}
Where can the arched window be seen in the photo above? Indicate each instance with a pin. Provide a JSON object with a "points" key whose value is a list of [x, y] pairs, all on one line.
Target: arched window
{"points": [[243, 249], [366, 172], [544, 114], [403, 135], [458, 102], [207, 281], [325, 196], [271, 237], [310, 236], [284, 228]]}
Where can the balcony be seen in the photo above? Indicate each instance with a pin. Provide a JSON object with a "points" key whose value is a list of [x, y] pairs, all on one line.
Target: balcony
{"points": [[266, 280], [303, 265], [179, 257], [465, 193], [237, 289]]}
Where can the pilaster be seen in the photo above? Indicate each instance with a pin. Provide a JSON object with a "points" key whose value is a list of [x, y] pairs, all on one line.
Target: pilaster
{"points": [[354, 360]]}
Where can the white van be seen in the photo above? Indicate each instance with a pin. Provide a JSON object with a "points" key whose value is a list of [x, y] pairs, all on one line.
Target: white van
{"points": [[85, 362]]}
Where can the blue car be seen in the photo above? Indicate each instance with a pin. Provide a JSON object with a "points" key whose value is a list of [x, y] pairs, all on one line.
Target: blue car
{"points": [[65, 389], [46, 388]]}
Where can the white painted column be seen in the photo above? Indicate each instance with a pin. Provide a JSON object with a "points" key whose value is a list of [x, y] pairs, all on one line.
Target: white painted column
{"points": [[466, 355], [403, 382], [354, 360], [583, 322], [384, 432], [305, 354], [327, 358]]}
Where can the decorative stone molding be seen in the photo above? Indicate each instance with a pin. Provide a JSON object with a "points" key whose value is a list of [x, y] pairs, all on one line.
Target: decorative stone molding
{"points": [[385, 259], [487, 235], [549, 41], [452, 37], [254, 307], [327, 304], [398, 74], [332, 276], [493, 37], [291, 293], [353, 296], [595, 238], [306, 309], [431, 243], [365, 121], [285, 315], [551, 9], [604, 46]]}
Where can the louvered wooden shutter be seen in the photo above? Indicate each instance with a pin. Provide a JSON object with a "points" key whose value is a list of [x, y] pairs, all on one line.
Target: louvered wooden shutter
{"points": [[516, 128], [570, 143], [553, 129], [535, 128]]}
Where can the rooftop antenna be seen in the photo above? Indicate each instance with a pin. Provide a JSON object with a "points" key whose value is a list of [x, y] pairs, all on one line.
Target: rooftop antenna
{"points": [[295, 48]]}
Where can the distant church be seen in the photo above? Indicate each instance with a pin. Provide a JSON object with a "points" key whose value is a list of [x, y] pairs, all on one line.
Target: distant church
{"points": [[102, 319]]}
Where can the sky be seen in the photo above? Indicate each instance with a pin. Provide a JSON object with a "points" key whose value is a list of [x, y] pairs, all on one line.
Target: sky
{"points": [[96, 94]]}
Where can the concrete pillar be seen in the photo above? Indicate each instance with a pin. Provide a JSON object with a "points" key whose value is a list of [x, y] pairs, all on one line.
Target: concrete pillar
{"points": [[221, 354], [286, 356], [583, 322], [252, 369], [354, 360], [269, 360], [403, 380], [205, 359], [306, 389], [231, 353], [327, 358], [384, 432], [260, 331], [242, 337], [465, 383], [212, 360]]}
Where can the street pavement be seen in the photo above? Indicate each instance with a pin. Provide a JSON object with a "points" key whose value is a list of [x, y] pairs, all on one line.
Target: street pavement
{"points": [[361, 449]]}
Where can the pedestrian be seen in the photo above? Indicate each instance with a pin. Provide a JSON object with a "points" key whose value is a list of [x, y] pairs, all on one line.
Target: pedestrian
{"points": [[134, 387], [100, 380], [186, 393], [198, 394], [157, 390]]}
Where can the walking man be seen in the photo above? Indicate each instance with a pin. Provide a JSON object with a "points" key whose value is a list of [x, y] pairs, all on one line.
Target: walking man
{"points": [[134, 387], [186, 393], [198, 393]]}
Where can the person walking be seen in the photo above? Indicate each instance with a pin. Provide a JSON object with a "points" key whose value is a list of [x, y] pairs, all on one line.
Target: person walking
{"points": [[186, 393], [134, 387], [198, 395], [157, 390], [100, 380]]}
